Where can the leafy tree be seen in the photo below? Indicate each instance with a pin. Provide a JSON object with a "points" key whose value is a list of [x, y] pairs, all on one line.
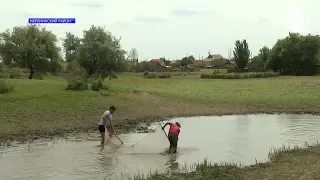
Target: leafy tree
{"points": [[295, 55], [71, 45], [187, 60], [29, 47], [256, 64], [264, 53], [1, 65], [133, 54], [274, 62], [100, 53], [241, 54], [176, 64]]}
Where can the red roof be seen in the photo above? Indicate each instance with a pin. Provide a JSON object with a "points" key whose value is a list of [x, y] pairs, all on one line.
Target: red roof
{"points": [[160, 61]]}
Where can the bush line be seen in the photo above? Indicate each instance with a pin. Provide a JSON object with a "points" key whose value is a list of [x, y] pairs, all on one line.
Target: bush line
{"points": [[239, 75]]}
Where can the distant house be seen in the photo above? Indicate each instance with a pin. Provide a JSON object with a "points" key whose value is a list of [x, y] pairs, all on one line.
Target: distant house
{"points": [[213, 61], [209, 61], [158, 61], [220, 63], [197, 62], [213, 57]]}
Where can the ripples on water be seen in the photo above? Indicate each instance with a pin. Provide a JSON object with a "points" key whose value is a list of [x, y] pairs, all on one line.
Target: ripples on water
{"points": [[225, 138]]}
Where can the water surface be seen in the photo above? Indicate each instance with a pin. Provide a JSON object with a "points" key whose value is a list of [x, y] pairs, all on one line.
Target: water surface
{"points": [[226, 138]]}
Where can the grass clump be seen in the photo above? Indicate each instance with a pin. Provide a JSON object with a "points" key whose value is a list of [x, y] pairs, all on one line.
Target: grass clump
{"points": [[15, 73], [77, 84], [38, 76], [5, 87], [149, 75], [152, 75], [213, 71], [77, 80], [239, 75], [206, 170], [163, 76], [97, 84]]}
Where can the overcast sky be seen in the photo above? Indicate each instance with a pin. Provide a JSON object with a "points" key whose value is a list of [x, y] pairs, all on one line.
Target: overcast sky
{"points": [[174, 28]]}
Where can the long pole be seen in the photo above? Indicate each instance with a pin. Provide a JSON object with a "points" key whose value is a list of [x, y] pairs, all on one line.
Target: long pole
{"points": [[163, 131]]}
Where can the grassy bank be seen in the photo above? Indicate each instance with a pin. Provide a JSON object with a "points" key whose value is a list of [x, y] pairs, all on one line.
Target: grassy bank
{"points": [[44, 108], [284, 163], [279, 92]]}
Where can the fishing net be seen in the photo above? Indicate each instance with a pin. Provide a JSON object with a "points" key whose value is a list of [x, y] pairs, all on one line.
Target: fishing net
{"points": [[150, 143]]}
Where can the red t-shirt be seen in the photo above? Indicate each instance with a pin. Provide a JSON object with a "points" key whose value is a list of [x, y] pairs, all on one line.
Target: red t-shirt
{"points": [[174, 128]]}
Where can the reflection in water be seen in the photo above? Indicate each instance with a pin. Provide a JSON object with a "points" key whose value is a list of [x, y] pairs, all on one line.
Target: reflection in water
{"points": [[221, 138], [172, 163]]}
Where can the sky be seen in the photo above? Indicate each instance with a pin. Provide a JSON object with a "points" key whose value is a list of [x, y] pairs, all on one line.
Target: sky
{"points": [[174, 28]]}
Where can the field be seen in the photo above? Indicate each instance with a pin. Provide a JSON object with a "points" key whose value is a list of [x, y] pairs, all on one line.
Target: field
{"points": [[282, 92], [43, 108]]}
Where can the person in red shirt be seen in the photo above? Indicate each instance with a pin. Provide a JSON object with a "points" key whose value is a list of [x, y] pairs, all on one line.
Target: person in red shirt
{"points": [[173, 135]]}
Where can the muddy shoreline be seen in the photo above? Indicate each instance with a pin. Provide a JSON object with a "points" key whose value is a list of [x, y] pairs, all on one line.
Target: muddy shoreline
{"points": [[139, 125]]}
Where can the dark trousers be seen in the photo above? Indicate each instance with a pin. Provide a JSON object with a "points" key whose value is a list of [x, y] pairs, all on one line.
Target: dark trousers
{"points": [[173, 139]]}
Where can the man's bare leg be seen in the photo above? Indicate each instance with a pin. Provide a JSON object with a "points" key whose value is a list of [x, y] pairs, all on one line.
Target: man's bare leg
{"points": [[103, 134]]}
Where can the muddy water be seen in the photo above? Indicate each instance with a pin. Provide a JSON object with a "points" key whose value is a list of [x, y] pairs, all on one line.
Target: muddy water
{"points": [[226, 138]]}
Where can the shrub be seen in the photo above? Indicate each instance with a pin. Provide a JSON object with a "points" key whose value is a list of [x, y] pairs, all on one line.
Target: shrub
{"points": [[163, 76], [151, 76], [240, 75], [77, 85], [15, 73], [4, 75], [232, 69], [145, 73], [38, 76], [112, 75], [97, 84], [77, 80], [5, 87]]}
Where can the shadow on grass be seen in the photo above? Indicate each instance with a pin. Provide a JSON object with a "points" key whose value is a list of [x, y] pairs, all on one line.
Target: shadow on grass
{"points": [[225, 170]]}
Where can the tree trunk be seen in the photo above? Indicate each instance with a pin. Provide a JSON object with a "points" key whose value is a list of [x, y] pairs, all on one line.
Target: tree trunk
{"points": [[31, 72]]}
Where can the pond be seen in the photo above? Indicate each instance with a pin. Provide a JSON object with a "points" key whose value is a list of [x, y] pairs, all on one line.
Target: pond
{"points": [[237, 139]]}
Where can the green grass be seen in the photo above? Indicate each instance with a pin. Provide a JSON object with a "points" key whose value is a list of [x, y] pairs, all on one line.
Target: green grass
{"points": [[44, 107], [280, 92], [225, 170]]}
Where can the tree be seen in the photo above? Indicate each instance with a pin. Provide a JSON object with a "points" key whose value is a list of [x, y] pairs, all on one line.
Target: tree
{"points": [[187, 60], [133, 54], [241, 54], [100, 53], [264, 53], [71, 45], [295, 55], [30, 47], [256, 64]]}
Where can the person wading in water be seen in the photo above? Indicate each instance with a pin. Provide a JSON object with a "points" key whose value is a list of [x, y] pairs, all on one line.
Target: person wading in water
{"points": [[105, 124], [173, 135]]}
